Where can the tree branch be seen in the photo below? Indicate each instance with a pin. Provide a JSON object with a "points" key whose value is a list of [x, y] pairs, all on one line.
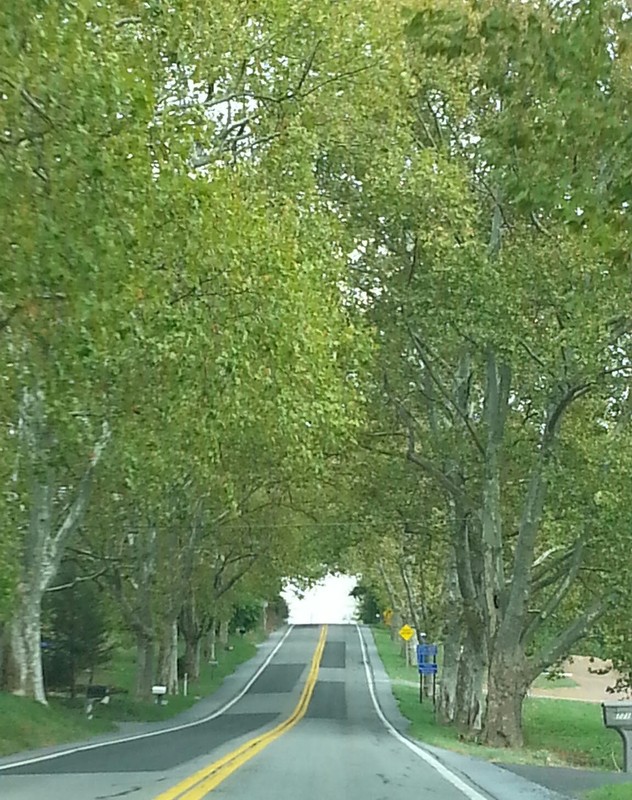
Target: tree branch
{"points": [[81, 498], [557, 597], [75, 581], [556, 414], [448, 397], [539, 225], [560, 646]]}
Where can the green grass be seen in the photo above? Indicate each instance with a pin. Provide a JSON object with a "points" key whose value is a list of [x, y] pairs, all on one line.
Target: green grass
{"points": [[557, 732], [621, 791], [25, 724], [562, 682], [121, 673]]}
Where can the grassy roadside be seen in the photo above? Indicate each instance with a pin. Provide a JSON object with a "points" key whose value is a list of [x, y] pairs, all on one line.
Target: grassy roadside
{"points": [[557, 732], [122, 673], [25, 724], [617, 792]]}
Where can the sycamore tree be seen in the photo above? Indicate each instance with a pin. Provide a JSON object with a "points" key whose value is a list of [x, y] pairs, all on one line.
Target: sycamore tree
{"points": [[544, 332], [163, 225], [64, 267], [492, 252]]}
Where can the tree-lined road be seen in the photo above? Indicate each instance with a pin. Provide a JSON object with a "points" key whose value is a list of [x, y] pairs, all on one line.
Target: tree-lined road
{"points": [[310, 719]]}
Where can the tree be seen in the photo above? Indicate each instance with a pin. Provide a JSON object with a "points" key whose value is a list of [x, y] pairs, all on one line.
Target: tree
{"points": [[491, 258], [369, 609], [175, 256], [75, 630], [59, 243]]}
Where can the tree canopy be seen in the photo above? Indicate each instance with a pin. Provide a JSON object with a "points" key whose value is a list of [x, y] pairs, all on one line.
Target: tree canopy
{"points": [[295, 287]]}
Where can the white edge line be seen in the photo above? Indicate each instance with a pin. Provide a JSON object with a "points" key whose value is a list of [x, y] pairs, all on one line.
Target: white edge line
{"points": [[162, 731], [449, 776]]}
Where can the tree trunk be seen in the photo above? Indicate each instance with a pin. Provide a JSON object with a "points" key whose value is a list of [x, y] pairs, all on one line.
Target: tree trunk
{"points": [[167, 673], [212, 642], [192, 658], [452, 636], [507, 685], [223, 633], [448, 681], [172, 678], [26, 646], [44, 540], [192, 632], [4, 656], [470, 698], [144, 665], [396, 623], [73, 677]]}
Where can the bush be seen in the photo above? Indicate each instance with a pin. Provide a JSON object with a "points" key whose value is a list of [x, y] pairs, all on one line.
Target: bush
{"points": [[74, 631]]}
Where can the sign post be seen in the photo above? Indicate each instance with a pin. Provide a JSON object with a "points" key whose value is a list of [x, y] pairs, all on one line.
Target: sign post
{"points": [[407, 633], [427, 665]]}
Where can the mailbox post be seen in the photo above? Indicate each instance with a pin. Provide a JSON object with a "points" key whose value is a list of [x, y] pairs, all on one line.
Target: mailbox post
{"points": [[96, 693], [618, 717], [159, 693]]}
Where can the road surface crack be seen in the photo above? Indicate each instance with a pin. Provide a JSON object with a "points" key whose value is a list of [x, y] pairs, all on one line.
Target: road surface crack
{"points": [[119, 794]]}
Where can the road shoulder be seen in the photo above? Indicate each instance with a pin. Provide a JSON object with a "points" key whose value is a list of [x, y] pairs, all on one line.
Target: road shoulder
{"points": [[498, 783]]}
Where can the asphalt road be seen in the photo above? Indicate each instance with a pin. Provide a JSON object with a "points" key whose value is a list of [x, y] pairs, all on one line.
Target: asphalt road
{"points": [[343, 740]]}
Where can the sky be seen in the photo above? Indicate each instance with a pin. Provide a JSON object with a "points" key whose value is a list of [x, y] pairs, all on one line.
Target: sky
{"points": [[328, 601]]}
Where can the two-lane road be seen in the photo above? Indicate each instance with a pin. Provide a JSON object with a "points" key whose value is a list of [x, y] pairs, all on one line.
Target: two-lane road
{"points": [[308, 726]]}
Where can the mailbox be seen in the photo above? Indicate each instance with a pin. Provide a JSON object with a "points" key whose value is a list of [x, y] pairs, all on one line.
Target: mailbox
{"points": [[159, 693], [96, 693], [618, 717]]}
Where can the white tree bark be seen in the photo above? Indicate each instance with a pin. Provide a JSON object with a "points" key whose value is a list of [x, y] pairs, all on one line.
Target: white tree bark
{"points": [[44, 542], [168, 659], [172, 680]]}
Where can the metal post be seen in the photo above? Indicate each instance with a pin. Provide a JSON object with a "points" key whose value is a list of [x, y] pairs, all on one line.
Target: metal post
{"points": [[618, 716], [627, 749]]}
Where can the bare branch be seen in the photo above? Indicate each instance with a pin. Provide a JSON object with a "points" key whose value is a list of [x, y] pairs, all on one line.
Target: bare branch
{"points": [[338, 77], [425, 127], [307, 68], [539, 225], [81, 498], [71, 584], [35, 104], [559, 647], [446, 394], [535, 357], [557, 597], [556, 414]]}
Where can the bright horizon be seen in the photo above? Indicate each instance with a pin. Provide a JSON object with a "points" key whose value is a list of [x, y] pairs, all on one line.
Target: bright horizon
{"points": [[327, 602]]}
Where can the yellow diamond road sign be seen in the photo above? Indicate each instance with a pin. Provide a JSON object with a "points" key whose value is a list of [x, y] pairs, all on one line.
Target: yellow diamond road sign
{"points": [[406, 632]]}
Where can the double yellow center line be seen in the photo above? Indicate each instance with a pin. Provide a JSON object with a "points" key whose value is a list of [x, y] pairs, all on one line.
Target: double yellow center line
{"points": [[201, 783]]}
